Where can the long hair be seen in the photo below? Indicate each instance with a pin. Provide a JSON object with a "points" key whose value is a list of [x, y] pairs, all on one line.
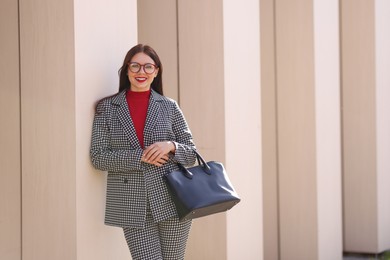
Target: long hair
{"points": [[124, 82]]}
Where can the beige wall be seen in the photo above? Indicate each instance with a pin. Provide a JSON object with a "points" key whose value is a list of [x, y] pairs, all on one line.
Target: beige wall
{"points": [[269, 130], [158, 28], [366, 146], [296, 130], [359, 146], [10, 175], [48, 165]]}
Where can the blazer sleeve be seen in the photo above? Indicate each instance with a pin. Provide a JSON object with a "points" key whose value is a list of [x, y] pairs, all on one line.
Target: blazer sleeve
{"points": [[184, 153], [105, 158]]}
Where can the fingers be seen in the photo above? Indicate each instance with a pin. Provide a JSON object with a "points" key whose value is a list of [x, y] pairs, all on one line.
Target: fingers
{"points": [[153, 153], [156, 151], [156, 154], [161, 161]]}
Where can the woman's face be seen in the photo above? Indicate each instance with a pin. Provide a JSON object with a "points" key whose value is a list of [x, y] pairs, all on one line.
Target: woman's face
{"points": [[141, 72]]}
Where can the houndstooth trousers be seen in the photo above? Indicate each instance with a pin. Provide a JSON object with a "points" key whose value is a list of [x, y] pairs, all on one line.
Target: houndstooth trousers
{"points": [[164, 240]]}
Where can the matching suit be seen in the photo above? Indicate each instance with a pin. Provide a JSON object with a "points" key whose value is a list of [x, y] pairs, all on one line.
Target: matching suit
{"points": [[136, 191]]}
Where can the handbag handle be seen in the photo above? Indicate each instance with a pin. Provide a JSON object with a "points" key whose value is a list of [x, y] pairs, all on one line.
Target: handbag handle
{"points": [[206, 168]]}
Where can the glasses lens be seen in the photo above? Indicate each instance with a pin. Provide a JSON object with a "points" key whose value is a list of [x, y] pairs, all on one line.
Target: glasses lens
{"points": [[134, 67], [149, 68]]}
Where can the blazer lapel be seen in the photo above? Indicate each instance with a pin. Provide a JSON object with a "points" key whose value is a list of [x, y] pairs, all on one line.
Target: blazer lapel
{"points": [[151, 118], [125, 119]]}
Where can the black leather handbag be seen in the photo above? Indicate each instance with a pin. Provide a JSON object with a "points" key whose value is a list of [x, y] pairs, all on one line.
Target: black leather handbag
{"points": [[201, 190]]}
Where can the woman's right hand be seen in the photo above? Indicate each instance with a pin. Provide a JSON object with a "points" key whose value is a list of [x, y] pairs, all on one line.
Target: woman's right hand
{"points": [[157, 153], [158, 162]]}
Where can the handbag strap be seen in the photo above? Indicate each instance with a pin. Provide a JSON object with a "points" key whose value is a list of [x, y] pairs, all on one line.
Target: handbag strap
{"points": [[201, 162]]}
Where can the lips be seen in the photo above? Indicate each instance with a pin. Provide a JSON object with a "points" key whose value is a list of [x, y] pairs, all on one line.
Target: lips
{"points": [[140, 79]]}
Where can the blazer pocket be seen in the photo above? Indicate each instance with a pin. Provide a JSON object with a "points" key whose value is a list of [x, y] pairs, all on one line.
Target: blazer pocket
{"points": [[125, 191]]}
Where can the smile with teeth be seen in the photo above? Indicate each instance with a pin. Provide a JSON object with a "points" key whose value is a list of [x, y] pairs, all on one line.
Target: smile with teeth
{"points": [[141, 79]]}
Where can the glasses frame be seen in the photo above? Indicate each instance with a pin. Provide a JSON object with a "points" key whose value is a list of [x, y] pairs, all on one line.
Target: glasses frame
{"points": [[142, 66]]}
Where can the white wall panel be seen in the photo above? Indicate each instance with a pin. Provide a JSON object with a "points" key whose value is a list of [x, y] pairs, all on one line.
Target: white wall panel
{"points": [[328, 125], [243, 127], [382, 65]]}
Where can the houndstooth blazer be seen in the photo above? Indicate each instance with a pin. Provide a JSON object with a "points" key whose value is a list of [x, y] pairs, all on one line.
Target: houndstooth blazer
{"points": [[132, 184]]}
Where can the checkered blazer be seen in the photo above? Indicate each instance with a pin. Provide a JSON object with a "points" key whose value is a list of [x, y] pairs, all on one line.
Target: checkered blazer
{"points": [[115, 148]]}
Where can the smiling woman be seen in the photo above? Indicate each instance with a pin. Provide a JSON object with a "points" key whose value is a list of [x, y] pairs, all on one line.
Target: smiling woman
{"points": [[138, 135]]}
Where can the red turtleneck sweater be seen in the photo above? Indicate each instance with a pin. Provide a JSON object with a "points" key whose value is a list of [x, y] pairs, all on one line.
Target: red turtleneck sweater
{"points": [[138, 106]]}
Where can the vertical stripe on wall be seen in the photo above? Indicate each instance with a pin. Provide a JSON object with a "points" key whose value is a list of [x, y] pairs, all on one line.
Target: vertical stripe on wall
{"points": [[48, 129], [359, 123], [296, 129], [382, 65], [200, 41], [243, 126], [269, 130], [10, 157], [328, 136], [157, 21]]}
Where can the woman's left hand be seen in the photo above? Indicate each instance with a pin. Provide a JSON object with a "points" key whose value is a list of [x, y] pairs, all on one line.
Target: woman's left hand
{"points": [[157, 153]]}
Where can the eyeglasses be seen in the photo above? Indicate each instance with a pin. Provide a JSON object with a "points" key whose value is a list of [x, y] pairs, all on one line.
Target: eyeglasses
{"points": [[135, 67]]}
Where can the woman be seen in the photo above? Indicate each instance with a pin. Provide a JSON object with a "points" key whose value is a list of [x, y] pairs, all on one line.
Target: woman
{"points": [[137, 136]]}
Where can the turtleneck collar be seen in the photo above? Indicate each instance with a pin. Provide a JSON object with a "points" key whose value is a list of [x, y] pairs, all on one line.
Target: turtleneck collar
{"points": [[138, 95]]}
